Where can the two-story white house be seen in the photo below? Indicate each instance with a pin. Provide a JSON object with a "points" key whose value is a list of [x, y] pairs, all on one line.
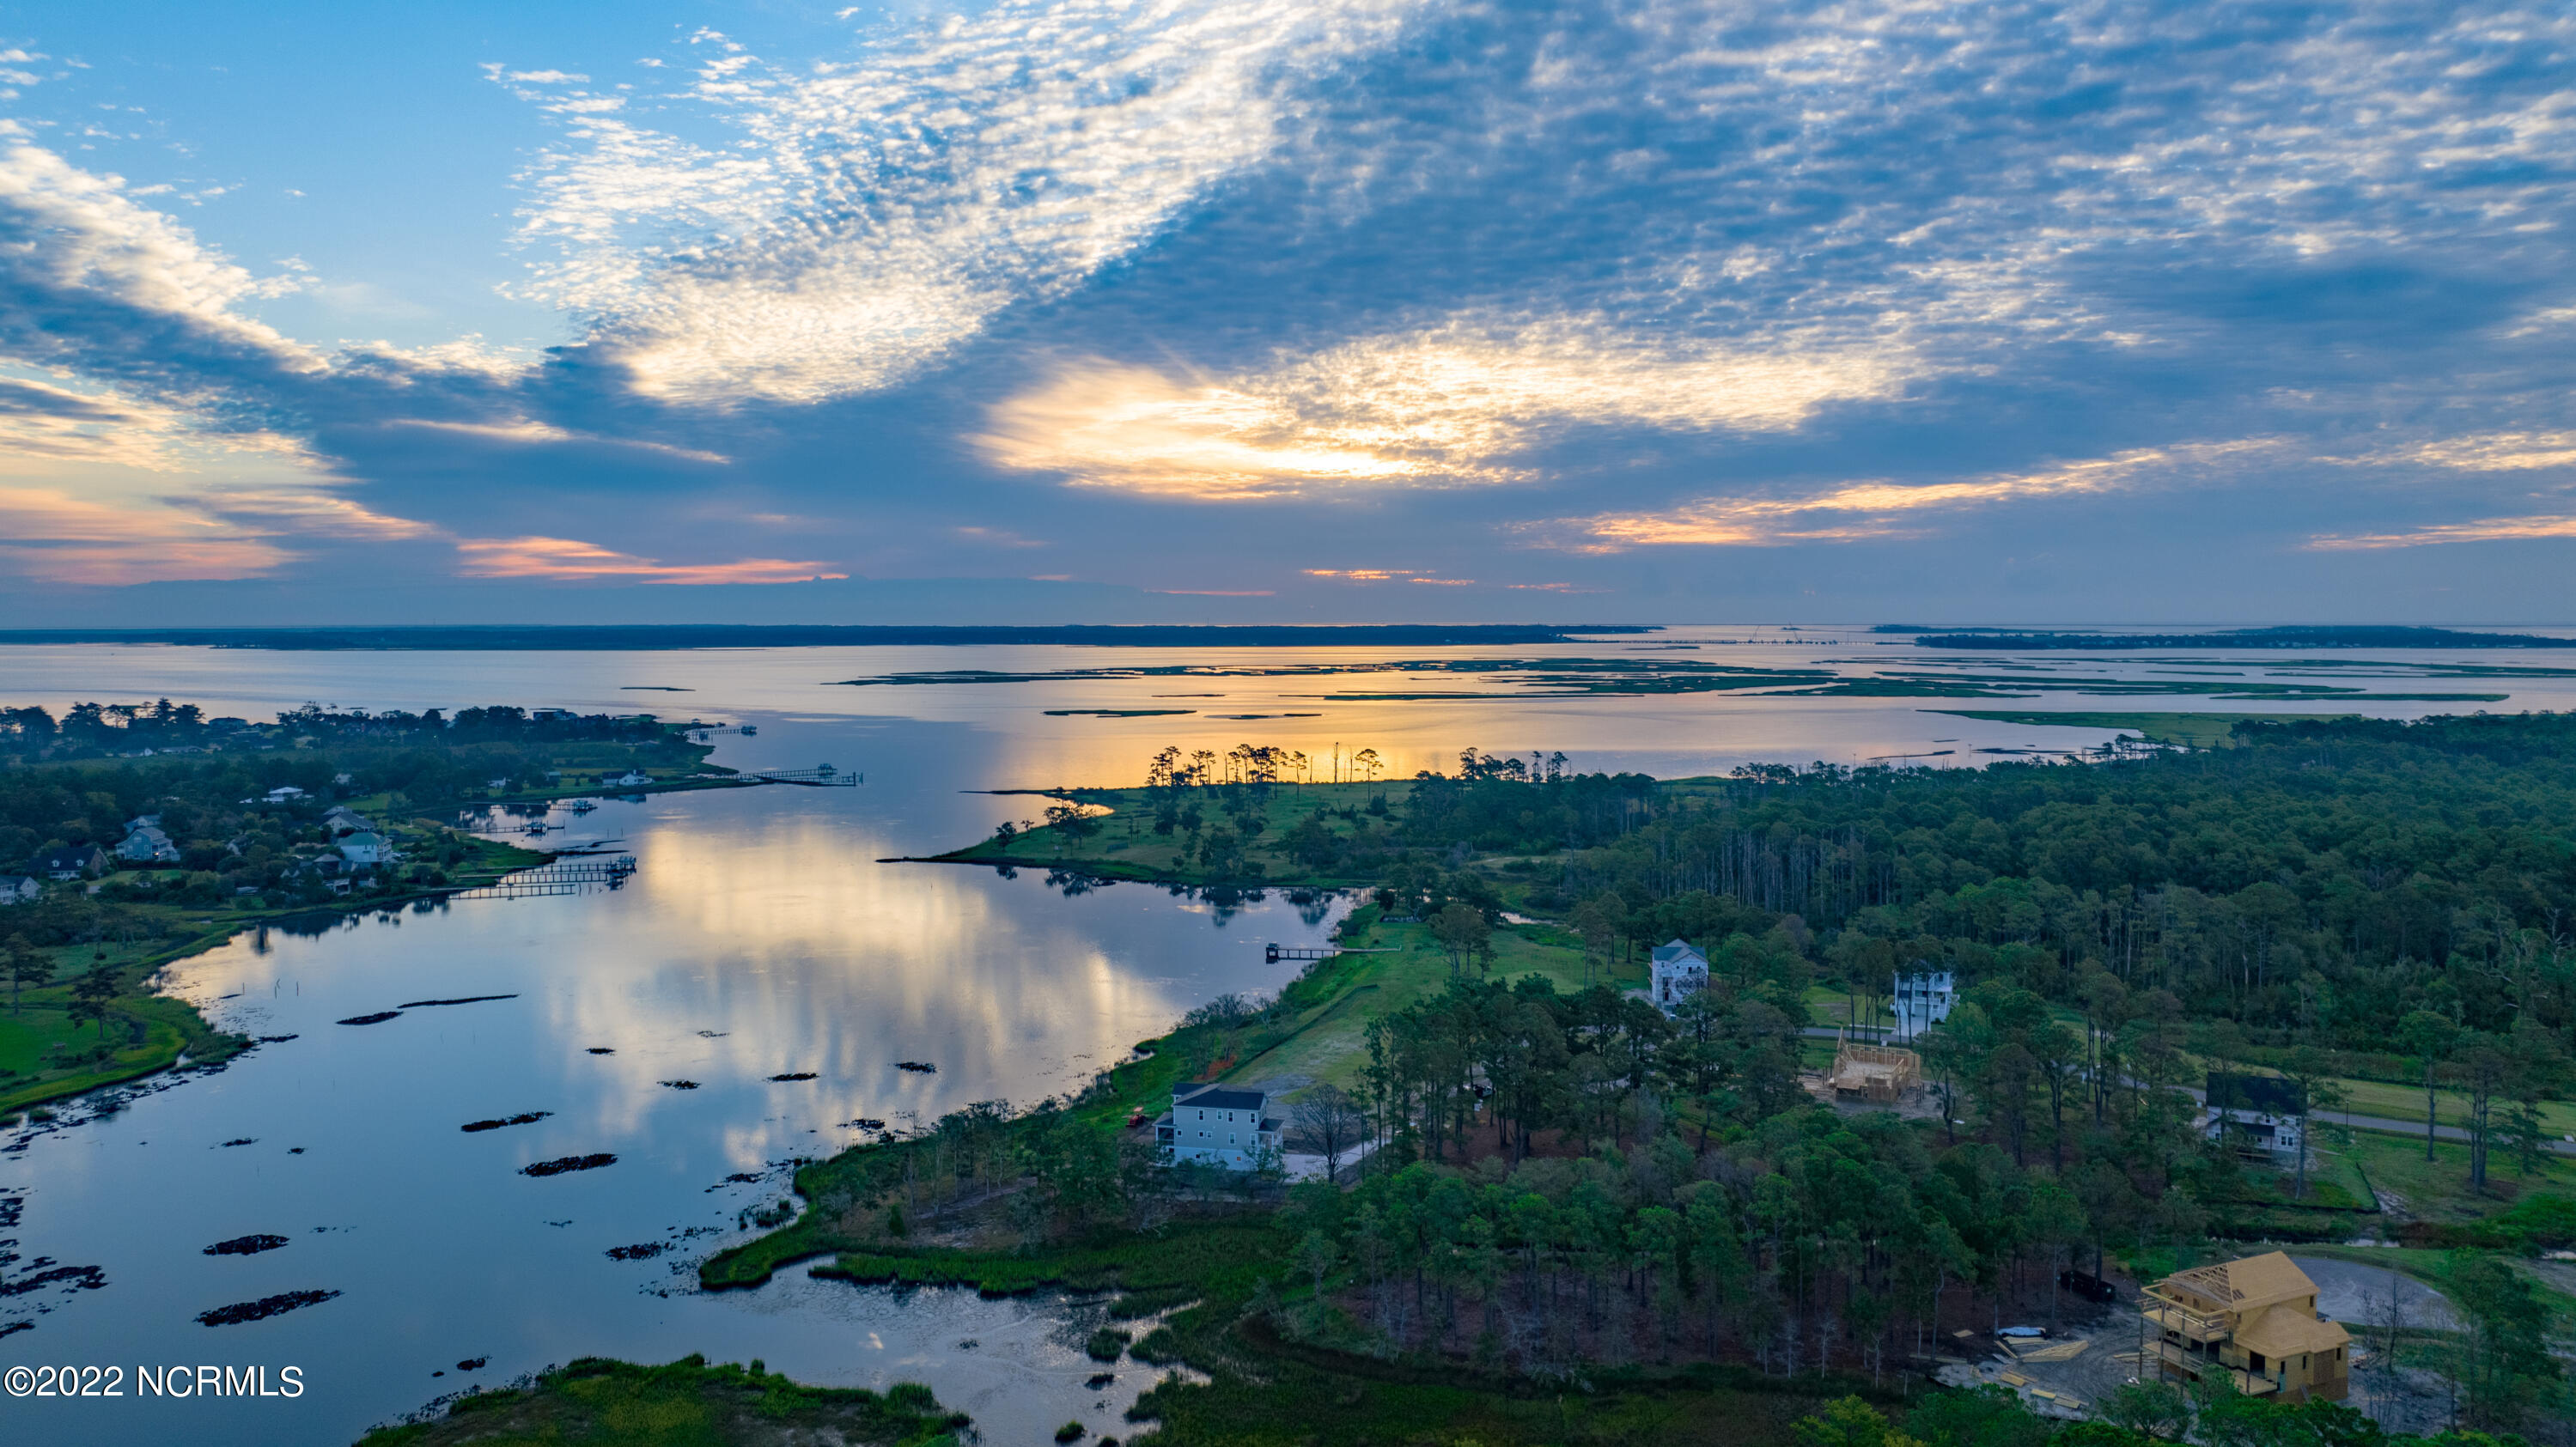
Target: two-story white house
{"points": [[1676, 972], [2256, 1114], [1224, 1125], [1922, 1000], [365, 850]]}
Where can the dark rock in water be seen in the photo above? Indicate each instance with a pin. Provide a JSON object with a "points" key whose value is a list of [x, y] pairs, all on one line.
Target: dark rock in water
{"points": [[968, 1345], [295, 1150], [275, 1039], [528, 1117], [714, 1034], [264, 1308], [248, 1140], [1097, 1380], [473, 1364], [681, 1084], [70, 1278], [795, 1075], [868, 1122], [465, 1000], [922, 1067], [9, 1328], [246, 1245], [562, 1164], [378, 1018], [602, 1050], [643, 1251], [741, 1178]]}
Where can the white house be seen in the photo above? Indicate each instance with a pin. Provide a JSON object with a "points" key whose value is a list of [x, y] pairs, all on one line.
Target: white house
{"points": [[365, 848], [1677, 972], [146, 844], [18, 889], [1922, 1000], [632, 778], [341, 819], [1223, 1125], [284, 793], [2254, 1113]]}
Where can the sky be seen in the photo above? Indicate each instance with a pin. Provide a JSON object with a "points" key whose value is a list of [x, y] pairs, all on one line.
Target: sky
{"points": [[1091, 311]]}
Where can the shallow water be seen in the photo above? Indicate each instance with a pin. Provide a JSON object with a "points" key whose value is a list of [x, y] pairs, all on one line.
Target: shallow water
{"points": [[760, 936]]}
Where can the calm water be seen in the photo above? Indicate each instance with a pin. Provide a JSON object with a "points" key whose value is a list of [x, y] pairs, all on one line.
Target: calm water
{"points": [[758, 938]]}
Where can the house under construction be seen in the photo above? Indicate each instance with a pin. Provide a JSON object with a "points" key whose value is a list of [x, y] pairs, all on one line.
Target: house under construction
{"points": [[1879, 1074]]}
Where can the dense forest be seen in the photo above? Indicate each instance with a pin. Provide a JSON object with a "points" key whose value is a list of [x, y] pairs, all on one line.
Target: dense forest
{"points": [[2315, 883]]}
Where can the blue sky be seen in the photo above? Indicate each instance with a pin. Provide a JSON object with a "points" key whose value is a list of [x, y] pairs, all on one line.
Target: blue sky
{"points": [[1328, 309]]}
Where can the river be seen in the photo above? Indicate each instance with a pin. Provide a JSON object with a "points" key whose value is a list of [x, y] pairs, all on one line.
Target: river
{"points": [[758, 937]]}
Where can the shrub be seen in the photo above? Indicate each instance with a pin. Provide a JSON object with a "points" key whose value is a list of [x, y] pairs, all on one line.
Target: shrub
{"points": [[1107, 1344], [1071, 1432]]}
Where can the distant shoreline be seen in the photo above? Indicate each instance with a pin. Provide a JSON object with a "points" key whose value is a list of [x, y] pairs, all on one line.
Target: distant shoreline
{"points": [[604, 638]]}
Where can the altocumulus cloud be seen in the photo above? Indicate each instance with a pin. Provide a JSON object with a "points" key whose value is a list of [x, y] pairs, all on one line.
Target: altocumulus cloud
{"points": [[1644, 275]]}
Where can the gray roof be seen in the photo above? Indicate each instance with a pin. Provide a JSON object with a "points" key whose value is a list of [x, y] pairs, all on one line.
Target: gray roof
{"points": [[1676, 951], [2262, 1094], [1219, 1097]]}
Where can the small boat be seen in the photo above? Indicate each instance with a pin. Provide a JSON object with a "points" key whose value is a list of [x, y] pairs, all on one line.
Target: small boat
{"points": [[537, 828], [583, 806], [921, 1067], [749, 730]]}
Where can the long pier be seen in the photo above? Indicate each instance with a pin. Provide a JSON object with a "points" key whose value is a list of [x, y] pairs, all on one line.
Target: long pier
{"points": [[561, 876], [1272, 954], [822, 776]]}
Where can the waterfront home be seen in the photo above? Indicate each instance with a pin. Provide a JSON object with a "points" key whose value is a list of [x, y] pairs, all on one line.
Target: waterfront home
{"points": [[1922, 1000], [1676, 972], [365, 849], [79, 861], [2255, 1319], [2260, 1115], [1224, 1125], [341, 819], [146, 844], [18, 889], [632, 778]]}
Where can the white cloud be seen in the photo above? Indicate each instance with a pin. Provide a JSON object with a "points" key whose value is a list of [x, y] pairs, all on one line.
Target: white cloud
{"points": [[878, 212], [86, 237]]}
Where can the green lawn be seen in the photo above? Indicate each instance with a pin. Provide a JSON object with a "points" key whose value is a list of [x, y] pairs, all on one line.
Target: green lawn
{"points": [[2439, 1190], [2399, 1102], [1331, 1044]]}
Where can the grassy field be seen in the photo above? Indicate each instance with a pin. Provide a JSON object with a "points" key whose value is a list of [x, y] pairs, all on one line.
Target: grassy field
{"points": [[2191, 730], [2399, 1102], [1331, 1044], [686, 1403], [2439, 1190]]}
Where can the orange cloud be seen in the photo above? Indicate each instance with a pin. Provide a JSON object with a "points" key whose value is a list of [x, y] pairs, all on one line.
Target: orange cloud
{"points": [[567, 559], [54, 537]]}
